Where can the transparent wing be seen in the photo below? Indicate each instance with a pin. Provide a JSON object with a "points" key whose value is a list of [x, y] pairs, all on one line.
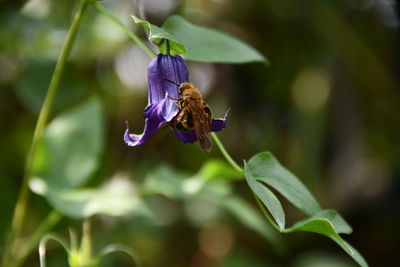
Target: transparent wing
{"points": [[201, 116]]}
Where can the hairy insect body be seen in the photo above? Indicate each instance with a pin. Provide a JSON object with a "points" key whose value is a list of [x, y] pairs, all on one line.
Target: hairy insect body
{"points": [[194, 114]]}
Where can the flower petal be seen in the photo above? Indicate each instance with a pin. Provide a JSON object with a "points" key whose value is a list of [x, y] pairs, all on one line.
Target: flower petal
{"points": [[219, 124], [188, 137], [173, 68], [162, 110], [165, 66], [154, 115]]}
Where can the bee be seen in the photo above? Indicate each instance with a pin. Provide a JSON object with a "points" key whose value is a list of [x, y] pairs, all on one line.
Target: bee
{"points": [[194, 114]]}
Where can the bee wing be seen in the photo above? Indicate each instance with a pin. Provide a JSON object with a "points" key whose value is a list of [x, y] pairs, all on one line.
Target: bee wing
{"points": [[201, 115]]}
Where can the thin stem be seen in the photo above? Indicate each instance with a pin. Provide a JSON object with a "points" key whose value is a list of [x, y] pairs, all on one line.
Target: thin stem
{"points": [[20, 208], [119, 248], [226, 154], [86, 242], [266, 214], [42, 246], [126, 30], [52, 219], [140, 7]]}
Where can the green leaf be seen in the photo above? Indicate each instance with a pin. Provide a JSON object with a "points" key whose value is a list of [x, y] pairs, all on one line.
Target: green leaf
{"points": [[32, 85], [71, 147], [166, 181], [263, 168], [68, 156], [356, 255], [207, 45], [215, 169], [340, 225], [330, 224], [178, 185], [156, 34], [269, 200], [83, 203]]}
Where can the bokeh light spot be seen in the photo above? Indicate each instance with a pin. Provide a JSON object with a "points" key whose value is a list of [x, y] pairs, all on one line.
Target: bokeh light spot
{"points": [[310, 90], [216, 240]]}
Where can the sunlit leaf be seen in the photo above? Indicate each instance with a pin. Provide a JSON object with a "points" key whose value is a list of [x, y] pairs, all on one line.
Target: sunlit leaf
{"points": [[156, 35], [68, 156], [83, 203], [71, 147], [207, 45], [215, 169], [174, 184], [165, 181]]}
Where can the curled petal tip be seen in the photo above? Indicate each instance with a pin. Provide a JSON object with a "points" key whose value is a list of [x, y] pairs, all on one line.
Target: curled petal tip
{"points": [[219, 123]]}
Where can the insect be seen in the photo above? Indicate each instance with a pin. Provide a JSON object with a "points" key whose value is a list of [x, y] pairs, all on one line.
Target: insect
{"points": [[194, 114]]}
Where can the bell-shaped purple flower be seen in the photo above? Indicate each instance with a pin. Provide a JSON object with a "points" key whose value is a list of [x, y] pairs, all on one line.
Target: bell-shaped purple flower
{"points": [[161, 109]]}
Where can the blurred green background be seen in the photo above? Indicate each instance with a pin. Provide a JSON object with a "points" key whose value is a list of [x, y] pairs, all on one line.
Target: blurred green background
{"points": [[328, 107]]}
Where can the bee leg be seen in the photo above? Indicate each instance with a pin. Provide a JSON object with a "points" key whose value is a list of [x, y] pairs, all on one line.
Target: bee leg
{"points": [[181, 122], [180, 117], [176, 122], [175, 99], [178, 101]]}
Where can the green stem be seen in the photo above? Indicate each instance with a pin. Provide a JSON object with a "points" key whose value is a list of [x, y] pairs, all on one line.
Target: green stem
{"points": [[226, 154], [266, 214], [126, 30], [52, 219], [42, 246], [86, 242], [119, 248], [20, 208]]}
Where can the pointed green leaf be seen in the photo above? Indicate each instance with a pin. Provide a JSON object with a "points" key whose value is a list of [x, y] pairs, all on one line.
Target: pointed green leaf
{"points": [[156, 34], [330, 224], [339, 224], [356, 255], [269, 200], [207, 45], [264, 168]]}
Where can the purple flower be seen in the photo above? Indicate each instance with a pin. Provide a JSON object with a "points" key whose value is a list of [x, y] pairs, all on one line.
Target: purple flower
{"points": [[160, 109]]}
